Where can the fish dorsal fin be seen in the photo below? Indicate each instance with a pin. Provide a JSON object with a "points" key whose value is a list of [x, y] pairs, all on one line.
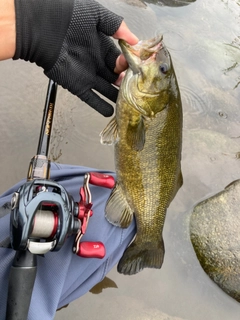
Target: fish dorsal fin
{"points": [[136, 134], [118, 211], [109, 135]]}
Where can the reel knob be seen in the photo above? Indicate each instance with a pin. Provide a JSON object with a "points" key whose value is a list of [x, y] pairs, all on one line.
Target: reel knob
{"points": [[101, 180], [91, 250]]}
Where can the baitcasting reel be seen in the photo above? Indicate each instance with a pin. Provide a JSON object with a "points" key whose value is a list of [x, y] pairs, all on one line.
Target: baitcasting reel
{"points": [[44, 215]]}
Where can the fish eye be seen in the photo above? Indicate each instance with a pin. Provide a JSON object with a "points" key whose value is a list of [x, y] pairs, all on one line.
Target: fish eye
{"points": [[164, 67]]}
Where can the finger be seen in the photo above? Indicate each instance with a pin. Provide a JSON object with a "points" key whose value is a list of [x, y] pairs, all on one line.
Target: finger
{"points": [[119, 79], [108, 75], [121, 64], [106, 21], [124, 33], [109, 51], [106, 89], [94, 101]]}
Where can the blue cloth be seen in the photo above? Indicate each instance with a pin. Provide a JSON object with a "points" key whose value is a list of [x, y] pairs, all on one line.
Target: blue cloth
{"points": [[62, 276]]}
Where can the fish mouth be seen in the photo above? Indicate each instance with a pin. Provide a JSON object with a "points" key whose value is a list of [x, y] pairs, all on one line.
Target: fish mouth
{"points": [[141, 51]]}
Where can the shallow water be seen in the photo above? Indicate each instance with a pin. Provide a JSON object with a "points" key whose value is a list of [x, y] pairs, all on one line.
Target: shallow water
{"points": [[204, 41]]}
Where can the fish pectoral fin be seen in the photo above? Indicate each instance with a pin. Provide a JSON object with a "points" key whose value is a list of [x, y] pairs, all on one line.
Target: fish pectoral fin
{"points": [[118, 211], [136, 134], [109, 135]]}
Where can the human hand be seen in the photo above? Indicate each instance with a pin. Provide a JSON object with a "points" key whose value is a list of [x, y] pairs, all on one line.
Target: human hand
{"points": [[71, 41]]}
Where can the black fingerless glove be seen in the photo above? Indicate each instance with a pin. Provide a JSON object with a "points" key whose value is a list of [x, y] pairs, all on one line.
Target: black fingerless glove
{"points": [[70, 40]]}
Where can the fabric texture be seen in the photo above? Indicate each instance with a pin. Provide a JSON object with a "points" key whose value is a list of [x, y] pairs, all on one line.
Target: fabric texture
{"points": [[62, 276], [70, 40]]}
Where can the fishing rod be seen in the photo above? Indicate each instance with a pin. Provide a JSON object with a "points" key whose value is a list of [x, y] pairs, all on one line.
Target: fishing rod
{"points": [[43, 215], [24, 267]]}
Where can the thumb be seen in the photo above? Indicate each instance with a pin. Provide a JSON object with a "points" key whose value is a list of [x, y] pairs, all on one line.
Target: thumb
{"points": [[124, 33]]}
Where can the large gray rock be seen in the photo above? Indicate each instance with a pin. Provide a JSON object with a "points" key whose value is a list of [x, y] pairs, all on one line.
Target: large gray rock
{"points": [[215, 235]]}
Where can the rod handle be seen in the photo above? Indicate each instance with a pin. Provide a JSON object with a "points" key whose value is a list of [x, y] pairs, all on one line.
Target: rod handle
{"points": [[21, 281]]}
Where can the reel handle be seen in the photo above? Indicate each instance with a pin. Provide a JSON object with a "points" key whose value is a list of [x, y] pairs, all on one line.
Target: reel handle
{"points": [[90, 249]]}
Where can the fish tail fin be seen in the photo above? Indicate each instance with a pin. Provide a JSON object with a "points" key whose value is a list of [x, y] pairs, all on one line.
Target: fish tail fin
{"points": [[138, 256]]}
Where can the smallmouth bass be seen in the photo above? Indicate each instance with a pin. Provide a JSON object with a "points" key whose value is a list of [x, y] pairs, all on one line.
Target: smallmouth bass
{"points": [[147, 136]]}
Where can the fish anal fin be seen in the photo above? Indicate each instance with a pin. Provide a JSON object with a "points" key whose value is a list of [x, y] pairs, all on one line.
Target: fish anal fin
{"points": [[109, 135], [118, 211], [136, 133], [139, 256]]}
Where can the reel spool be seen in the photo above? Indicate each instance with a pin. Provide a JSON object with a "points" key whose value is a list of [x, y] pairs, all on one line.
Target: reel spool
{"points": [[45, 225]]}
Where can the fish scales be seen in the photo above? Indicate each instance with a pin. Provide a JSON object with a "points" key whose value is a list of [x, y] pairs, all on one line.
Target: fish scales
{"points": [[147, 132], [144, 184]]}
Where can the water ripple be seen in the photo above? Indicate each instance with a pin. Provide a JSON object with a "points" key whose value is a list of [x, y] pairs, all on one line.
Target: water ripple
{"points": [[193, 102]]}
